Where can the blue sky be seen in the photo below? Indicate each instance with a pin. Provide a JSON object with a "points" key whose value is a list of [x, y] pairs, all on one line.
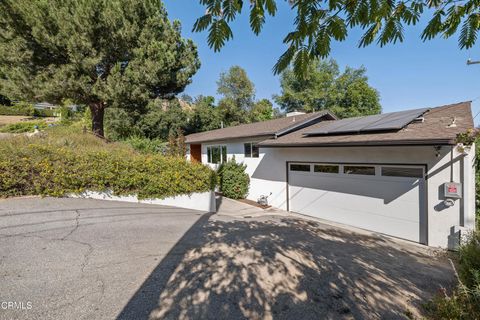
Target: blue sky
{"points": [[407, 75]]}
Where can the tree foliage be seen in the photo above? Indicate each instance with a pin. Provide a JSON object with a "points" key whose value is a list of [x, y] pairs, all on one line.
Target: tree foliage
{"points": [[347, 93], [317, 23], [262, 110], [103, 53], [238, 95]]}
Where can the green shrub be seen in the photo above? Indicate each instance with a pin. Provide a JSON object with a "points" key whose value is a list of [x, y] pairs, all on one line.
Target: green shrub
{"points": [[145, 145], [68, 161], [19, 109], [464, 302], [43, 113], [22, 127], [234, 181], [469, 261]]}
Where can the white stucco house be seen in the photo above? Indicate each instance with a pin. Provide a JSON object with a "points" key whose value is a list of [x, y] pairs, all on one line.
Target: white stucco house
{"points": [[399, 174]]}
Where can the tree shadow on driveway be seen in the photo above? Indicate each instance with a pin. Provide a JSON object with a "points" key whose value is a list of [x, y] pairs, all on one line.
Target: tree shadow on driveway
{"points": [[286, 268]]}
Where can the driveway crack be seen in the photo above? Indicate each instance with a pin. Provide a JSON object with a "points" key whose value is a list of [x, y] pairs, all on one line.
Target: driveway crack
{"points": [[77, 224]]}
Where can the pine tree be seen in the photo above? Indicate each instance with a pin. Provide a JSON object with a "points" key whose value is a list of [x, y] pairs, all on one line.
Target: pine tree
{"points": [[101, 53]]}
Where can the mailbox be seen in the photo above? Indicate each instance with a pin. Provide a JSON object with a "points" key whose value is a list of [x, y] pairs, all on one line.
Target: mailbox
{"points": [[452, 190]]}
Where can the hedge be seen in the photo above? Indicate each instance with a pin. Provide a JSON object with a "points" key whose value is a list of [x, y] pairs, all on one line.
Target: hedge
{"points": [[39, 167], [17, 110], [25, 109]]}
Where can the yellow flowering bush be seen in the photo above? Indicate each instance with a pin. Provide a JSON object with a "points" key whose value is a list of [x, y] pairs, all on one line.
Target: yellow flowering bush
{"points": [[63, 162]]}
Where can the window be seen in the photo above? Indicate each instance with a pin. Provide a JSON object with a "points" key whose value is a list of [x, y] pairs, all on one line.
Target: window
{"points": [[368, 171], [300, 167], [325, 168], [402, 172], [248, 150], [255, 150], [216, 154], [251, 150]]}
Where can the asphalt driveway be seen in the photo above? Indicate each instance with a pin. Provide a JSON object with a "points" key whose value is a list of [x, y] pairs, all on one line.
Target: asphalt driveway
{"points": [[89, 259]]}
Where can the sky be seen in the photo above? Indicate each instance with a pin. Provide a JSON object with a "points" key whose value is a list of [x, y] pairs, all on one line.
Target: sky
{"points": [[408, 75]]}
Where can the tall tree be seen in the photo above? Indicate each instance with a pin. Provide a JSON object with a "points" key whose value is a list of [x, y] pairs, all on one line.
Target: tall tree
{"points": [[317, 23], [206, 116], [101, 53], [347, 94], [238, 94], [262, 110]]}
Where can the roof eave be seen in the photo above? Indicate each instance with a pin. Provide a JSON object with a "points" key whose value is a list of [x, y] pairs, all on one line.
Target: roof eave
{"points": [[426, 142], [263, 136]]}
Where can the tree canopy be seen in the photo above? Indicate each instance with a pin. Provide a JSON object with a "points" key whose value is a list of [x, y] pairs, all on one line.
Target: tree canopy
{"points": [[317, 23], [238, 95], [102, 53], [324, 87]]}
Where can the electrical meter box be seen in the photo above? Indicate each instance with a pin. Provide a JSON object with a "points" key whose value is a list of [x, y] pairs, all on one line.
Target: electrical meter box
{"points": [[452, 190]]}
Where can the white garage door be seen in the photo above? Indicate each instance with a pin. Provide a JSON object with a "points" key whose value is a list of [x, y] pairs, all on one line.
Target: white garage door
{"points": [[384, 198]]}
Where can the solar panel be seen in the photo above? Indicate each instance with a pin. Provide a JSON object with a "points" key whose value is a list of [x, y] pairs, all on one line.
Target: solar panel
{"points": [[378, 122]]}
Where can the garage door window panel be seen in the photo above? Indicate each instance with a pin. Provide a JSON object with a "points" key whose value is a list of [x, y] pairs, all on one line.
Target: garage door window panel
{"points": [[405, 172], [359, 170], [326, 168], [300, 167]]}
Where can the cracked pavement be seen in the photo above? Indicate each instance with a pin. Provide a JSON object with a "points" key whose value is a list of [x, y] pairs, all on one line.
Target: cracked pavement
{"points": [[81, 258]]}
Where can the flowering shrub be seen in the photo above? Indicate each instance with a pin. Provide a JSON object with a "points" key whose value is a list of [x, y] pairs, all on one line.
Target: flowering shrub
{"points": [[65, 163]]}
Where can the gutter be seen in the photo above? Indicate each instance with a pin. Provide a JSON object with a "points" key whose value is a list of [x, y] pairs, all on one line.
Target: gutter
{"points": [[435, 142]]}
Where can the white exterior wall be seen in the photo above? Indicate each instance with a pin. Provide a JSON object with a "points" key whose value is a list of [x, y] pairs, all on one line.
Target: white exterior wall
{"points": [[268, 173]]}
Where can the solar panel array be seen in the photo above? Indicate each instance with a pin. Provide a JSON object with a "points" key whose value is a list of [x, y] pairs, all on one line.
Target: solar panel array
{"points": [[379, 122]]}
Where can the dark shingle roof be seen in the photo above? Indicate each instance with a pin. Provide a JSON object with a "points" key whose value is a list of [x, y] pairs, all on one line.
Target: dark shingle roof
{"points": [[265, 129], [436, 129]]}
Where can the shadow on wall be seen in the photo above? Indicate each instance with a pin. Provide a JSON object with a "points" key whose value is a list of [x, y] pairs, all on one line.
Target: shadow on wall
{"points": [[285, 269]]}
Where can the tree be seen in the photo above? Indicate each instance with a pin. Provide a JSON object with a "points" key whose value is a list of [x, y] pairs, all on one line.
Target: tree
{"points": [[262, 110], [238, 95], [236, 86], [104, 53], [346, 94], [206, 116], [317, 23]]}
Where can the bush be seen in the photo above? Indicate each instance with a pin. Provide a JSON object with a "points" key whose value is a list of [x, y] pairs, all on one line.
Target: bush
{"points": [[464, 302], [234, 181], [43, 113], [22, 127], [144, 145], [71, 162], [20, 109]]}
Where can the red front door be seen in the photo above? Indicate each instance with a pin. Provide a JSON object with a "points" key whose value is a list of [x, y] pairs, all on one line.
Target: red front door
{"points": [[196, 152]]}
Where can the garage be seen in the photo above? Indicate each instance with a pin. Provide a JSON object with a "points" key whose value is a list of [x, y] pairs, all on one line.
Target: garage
{"points": [[385, 198]]}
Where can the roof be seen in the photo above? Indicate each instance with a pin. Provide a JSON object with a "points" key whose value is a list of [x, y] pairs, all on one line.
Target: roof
{"points": [[267, 129], [436, 129]]}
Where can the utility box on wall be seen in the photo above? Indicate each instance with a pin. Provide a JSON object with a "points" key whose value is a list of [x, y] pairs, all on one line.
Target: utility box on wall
{"points": [[452, 190]]}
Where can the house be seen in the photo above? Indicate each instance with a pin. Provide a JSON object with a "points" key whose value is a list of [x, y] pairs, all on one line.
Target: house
{"points": [[401, 174]]}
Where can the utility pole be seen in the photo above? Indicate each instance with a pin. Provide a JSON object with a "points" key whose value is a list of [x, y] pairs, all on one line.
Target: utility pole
{"points": [[470, 61]]}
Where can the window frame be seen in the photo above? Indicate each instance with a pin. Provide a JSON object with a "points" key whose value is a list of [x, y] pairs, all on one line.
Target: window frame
{"points": [[251, 147], [222, 153]]}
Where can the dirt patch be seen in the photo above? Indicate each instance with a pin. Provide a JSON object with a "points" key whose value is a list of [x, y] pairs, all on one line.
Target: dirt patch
{"points": [[253, 203], [4, 120]]}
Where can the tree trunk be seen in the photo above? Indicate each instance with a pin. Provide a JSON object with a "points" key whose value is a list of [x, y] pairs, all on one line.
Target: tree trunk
{"points": [[98, 111]]}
